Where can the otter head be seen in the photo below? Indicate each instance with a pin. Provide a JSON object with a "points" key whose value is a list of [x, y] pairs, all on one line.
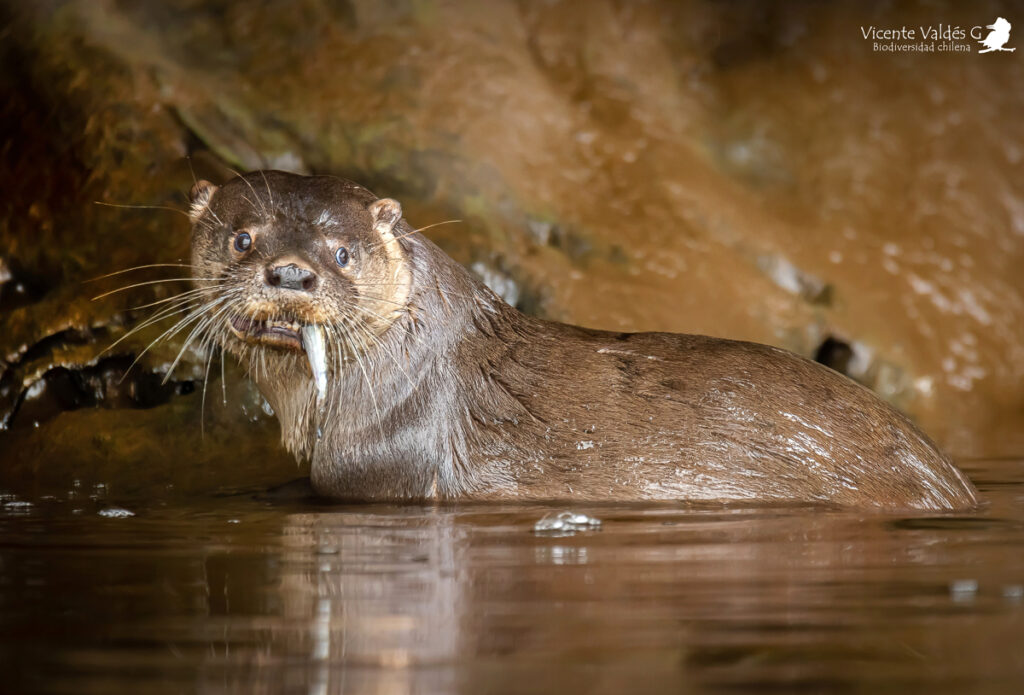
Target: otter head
{"points": [[288, 264]]}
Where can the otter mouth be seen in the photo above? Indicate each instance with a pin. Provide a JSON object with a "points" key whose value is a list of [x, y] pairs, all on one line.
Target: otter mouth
{"points": [[289, 335], [286, 335]]}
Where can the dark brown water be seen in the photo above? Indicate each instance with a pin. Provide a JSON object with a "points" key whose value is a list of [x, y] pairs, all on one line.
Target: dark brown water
{"points": [[241, 593]]}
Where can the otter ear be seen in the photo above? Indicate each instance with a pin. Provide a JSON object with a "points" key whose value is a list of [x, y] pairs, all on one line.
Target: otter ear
{"points": [[385, 212], [199, 199]]}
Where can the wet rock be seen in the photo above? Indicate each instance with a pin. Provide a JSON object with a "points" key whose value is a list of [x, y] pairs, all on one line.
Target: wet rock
{"points": [[15, 289], [105, 384], [220, 443], [836, 354], [716, 169], [76, 360], [790, 278], [500, 283]]}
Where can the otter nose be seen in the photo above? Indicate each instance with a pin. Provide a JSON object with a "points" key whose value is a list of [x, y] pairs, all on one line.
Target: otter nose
{"points": [[291, 277]]}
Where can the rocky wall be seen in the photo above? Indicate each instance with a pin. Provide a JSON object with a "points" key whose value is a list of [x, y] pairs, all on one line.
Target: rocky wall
{"points": [[740, 169]]}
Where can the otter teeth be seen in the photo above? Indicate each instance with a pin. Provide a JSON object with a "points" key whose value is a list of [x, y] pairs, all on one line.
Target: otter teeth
{"points": [[287, 325], [316, 353]]}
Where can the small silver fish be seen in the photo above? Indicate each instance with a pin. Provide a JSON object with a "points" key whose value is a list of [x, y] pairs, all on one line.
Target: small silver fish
{"points": [[316, 353]]}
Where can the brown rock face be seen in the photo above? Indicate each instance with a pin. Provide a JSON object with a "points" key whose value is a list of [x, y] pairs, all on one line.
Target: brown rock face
{"points": [[741, 171]]}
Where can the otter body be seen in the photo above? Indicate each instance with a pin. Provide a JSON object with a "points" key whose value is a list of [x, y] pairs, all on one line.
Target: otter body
{"points": [[431, 387]]}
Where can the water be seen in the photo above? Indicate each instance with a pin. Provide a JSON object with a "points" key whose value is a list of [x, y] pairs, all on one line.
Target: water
{"points": [[241, 593]]}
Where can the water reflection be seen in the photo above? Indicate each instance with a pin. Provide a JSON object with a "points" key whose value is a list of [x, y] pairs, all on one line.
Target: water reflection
{"points": [[470, 599], [383, 595]]}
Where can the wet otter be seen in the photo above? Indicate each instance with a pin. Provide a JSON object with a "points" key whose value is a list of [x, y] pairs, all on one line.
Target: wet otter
{"points": [[401, 376]]}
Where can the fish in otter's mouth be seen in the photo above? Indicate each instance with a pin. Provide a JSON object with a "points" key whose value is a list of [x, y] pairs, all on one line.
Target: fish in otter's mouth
{"points": [[289, 335]]}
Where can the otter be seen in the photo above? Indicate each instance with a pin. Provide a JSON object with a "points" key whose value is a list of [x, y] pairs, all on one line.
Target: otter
{"points": [[401, 376]]}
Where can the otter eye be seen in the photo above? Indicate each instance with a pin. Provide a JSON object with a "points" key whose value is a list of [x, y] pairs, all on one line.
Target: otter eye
{"points": [[341, 256], [242, 242]]}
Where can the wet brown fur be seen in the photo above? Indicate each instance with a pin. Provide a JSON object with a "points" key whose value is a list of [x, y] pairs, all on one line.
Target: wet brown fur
{"points": [[451, 394]]}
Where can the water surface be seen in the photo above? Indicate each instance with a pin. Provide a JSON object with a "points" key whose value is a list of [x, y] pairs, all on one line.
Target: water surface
{"points": [[245, 593]]}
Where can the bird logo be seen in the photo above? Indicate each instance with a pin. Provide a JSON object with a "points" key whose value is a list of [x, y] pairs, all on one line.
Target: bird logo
{"points": [[998, 37]]}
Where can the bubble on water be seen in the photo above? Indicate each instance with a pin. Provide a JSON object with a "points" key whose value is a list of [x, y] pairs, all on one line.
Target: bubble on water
{"points": [[115, 513], [566, 523], [963, 589], [1013, 592], [16, 506]]}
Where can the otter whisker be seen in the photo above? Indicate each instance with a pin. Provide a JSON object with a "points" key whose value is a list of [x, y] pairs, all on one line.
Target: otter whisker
{"points": [[202, 403], [188, 158], [256, 195], [208, 225], [255, 209], [140, 207], [200, 326], [162, 314], [172, 306], [398, 284], [368, 332], [342, 350], [179, 326], [187, 295], [336, 346], [213, 342], [423, 229], [415, 231], [150, 282], [383, 348], [408, 331], [366, 380], [209, 342], [245, 359], [373, 313], [139, 267], [382, 300], [223, 381], [206, 318], [195, 291], [266, 183], [181, 299]]}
